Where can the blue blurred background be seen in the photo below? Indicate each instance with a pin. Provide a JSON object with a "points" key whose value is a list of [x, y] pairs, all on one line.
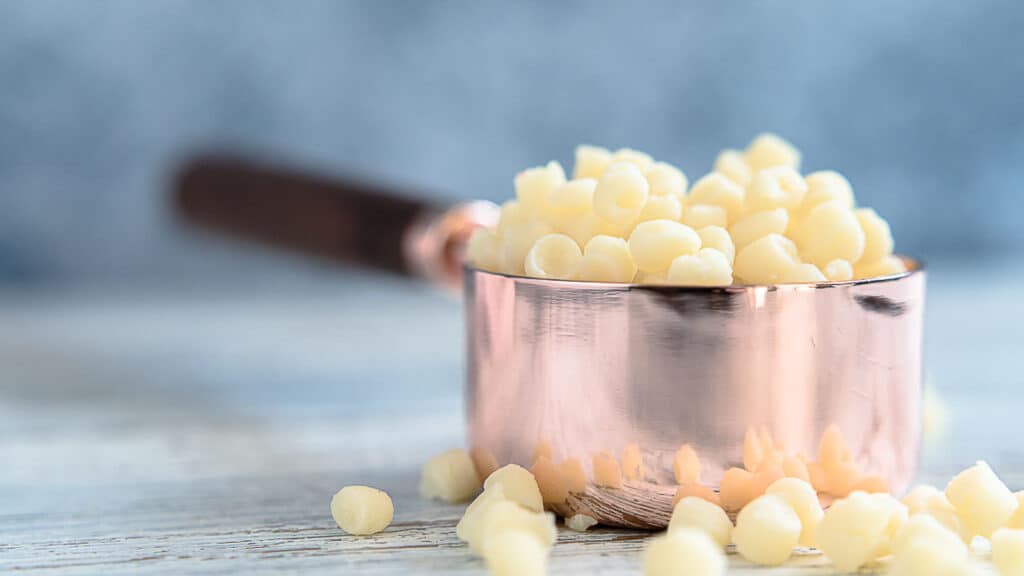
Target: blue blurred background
{"points": [[134, 350], [918, 102]]}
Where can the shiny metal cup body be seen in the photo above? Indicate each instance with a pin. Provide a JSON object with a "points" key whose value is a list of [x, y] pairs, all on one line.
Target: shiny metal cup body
{"points": [[585, 368]]}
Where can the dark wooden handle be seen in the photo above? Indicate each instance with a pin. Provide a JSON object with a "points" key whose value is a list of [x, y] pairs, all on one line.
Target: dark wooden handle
{"points": [[349, 221]]}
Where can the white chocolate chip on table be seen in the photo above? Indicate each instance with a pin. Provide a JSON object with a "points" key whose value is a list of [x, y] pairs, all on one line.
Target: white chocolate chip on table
{"points": [[450, 476], [362, 510], [683, 552]]}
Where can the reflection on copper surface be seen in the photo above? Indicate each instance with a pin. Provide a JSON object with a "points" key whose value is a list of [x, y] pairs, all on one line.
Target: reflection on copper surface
{"points": [[607, 472], [751, 378], [484, 462]]}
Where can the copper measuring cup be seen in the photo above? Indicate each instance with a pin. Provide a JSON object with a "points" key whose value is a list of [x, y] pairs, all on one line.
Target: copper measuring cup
{"points": [[569, 371]]}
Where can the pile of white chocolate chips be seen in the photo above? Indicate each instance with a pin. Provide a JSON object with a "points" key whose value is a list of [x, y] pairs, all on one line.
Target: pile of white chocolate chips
{"points": [[627, 218], [928, 533]]}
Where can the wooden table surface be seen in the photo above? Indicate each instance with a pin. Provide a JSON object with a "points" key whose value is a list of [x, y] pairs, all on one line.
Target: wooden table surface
{"points": [[204, 431]]}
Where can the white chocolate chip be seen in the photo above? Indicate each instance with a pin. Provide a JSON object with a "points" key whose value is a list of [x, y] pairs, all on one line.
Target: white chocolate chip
{"points": [[591, 161], [858, 529], [826, 186], [580, 522], [888, 266], [768, 150], [838, 270], [554, 256], [877, 235], [517, 241], [667, 207], [699, 514], [803, 499], [655, 244], [923, 547], [708, 267], [606, 259], [517, 485], [620, 194], [778, 187], [730, 163], [718, 238], [483, 250], [758, 225], [703, 215], [1008, 551], [574, 199], [638, 159], [717, 190], [450, 476], [515, 553], [535, 184], [981, 500], [666, 180], [767, 530], [829, 231], [362, 510], [766, 260], [683, 552]]}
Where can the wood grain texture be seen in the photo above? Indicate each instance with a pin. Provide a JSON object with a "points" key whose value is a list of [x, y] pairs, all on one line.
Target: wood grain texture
{"points": [[163, 433]]}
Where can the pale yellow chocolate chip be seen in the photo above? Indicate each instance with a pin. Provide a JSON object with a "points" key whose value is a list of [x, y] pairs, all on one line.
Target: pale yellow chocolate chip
{"points": [[483, 250], [730, 163], [554, 256], [702, 215], [640, 160], [518, 485], [1008, 551], [767, 530], [718, 238], [621, 194], [362, 510], [606, 259], [698, 513], [838, 270], [683, 552], [708, 267], [450, 476], [717, 190], [580, 522], [655, 244], [803, 499], [877, 236], [766, 260], [574, 199], [768, 150], [888, 266], [591, 161], [666, 207], [515, 553], [666, 180], [758, 225], [778, 187], [926, 548], [983, 503], [859, 529], [830, 231], [535, 184]]}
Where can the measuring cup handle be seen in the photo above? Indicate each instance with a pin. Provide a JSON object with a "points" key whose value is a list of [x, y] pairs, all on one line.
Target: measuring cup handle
{"points": [[345, 220]]}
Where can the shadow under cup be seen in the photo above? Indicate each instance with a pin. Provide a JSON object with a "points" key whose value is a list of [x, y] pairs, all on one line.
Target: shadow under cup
{"points": [[561, 373]]}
